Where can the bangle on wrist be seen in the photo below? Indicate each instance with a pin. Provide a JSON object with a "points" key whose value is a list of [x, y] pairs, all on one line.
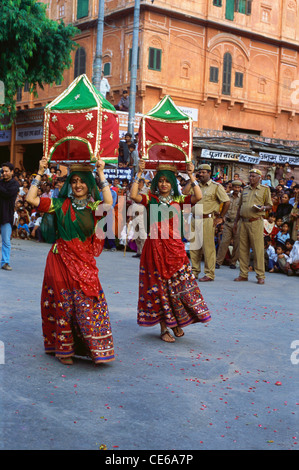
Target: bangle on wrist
{"points": [[39, 174], [35, 182], [194, 183], [103, 184]]}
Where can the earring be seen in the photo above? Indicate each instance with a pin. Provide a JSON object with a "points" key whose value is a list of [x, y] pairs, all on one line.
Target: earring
{"points": [[171, 192]]}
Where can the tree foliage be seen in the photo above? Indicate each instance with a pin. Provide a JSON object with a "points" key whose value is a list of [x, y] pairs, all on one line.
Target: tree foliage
{"points": [[33, 49]]}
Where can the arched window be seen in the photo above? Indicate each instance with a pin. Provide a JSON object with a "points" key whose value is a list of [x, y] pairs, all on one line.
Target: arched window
{"points": [[80, 62], [227, 73]]}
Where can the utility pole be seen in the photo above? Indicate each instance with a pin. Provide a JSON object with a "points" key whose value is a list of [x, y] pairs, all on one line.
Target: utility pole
{"points": [[134, 61], [97, 65]]}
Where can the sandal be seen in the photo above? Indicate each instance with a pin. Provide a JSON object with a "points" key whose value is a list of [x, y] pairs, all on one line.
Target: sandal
{"points": [[178, 332], [68, 361], [169, 336]]}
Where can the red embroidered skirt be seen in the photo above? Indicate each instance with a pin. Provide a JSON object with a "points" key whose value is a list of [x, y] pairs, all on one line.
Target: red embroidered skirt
{"points": [[175, 299], [72, 322]]}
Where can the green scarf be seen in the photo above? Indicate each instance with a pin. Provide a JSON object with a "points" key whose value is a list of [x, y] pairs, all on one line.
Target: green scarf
{"points": [[88, 179], [60, 224]]}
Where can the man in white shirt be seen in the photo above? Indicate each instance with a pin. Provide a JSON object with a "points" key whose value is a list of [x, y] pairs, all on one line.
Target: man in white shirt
{"points": [[104, 86]]}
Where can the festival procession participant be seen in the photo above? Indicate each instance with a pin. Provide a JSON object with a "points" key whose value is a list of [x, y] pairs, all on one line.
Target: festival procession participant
{"points": [[228, 232], [213, 197], [73, 306], [168, 291], [255, 200]]}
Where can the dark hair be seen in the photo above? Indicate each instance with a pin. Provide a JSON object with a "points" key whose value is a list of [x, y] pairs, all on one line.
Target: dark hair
{"points": [[133, 146], [8, 164]]}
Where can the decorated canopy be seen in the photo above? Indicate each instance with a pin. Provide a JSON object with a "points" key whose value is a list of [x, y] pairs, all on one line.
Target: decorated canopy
{"points": [[165, 135], [80, 125]]}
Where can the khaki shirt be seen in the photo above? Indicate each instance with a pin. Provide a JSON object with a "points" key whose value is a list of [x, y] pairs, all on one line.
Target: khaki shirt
{"points": [[213, 194], [233, 208], [260, 195]]}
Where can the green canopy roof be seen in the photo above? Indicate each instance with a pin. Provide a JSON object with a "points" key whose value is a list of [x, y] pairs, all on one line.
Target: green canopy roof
{"points": [[80, 94], [167, 110]]}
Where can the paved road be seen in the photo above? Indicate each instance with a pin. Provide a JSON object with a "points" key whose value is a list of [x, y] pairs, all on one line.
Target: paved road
{"points": [[215, 388]]}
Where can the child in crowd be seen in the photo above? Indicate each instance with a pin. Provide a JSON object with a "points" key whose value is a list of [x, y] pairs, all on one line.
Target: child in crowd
{"points": [[270, 228], [270, 254], [280, 265], [23, 229], [289, 246], [292, 265], [36, 231], [283, 235]]}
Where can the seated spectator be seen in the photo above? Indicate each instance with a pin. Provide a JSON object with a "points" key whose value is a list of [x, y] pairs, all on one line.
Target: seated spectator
{"points": [[275, 201], [289, 246], [33, 218], [270, 228], [295, 216], [48, 191], [59, 181], [267, 180], [24, 188], [290, 181], [271, 256], [23, 229], [284, 208], [283, 235], [295, 191], [25, 214], [282, 183], [293, 260], [36, 231], [280, 264]]}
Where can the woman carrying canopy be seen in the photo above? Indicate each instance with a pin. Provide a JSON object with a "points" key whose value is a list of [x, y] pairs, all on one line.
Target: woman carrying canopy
{"points": [[168, 291], [75, 317]]}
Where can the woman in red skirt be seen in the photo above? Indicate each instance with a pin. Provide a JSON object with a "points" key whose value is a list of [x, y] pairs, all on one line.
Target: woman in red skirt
{"points": [[168, 291], [75, 317]]}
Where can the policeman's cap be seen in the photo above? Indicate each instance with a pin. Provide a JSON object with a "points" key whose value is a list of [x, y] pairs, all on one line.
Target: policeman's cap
{"points": [[254, 170], [205, 166]]}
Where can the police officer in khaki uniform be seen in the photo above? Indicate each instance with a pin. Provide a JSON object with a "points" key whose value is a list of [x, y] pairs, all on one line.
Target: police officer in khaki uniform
{"points": [[213, 195], [255, 200], [228, 233]]}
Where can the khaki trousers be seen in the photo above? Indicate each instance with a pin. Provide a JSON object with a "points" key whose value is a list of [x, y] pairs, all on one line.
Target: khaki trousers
{"points": [[207, 249], [227, 236], [252, 236]]}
